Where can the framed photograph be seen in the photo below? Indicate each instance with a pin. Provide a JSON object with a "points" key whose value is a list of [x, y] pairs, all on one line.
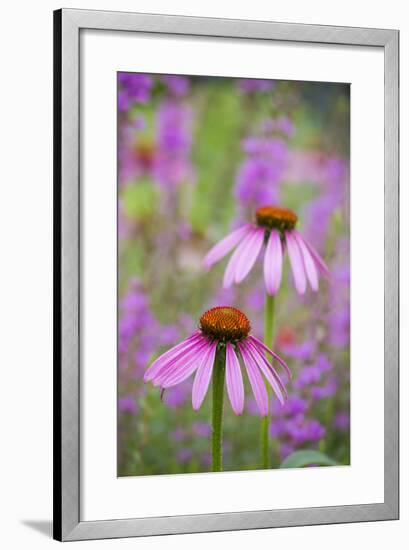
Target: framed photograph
{"points": [[226, 274]]}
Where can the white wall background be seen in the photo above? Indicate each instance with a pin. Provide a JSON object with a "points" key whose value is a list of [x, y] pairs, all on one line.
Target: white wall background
{"points": [[26, 269]]}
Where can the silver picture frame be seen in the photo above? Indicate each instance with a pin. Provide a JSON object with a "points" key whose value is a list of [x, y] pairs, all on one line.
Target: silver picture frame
{"points": [[67, 26]]}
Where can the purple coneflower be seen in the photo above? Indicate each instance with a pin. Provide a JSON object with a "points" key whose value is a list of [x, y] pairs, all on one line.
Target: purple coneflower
{"points": [[274, 227], [220, 328], [216, 350]]}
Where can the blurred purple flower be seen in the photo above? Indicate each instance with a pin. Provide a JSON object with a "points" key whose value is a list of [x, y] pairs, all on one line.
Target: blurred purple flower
{"points": [[327, 390], [142, 356], [174, 138], [123, 101], [282, 125], [135, 316], [314, 431], [256, 182], [163, 157], [342, 274], [295, 405], [173, 127], [127, 404], [330, 176], [133, 88], [302, 352], [308, 375], [258, 177], [273, 148], [334, 188], [341, 421], [296, 430], [338, 318], [320, 211], [322, 363], [301, 430], [176, 396], [202, 429], [185, 455], [178, 86], [339, 325], [135, 299], [285, 125]]}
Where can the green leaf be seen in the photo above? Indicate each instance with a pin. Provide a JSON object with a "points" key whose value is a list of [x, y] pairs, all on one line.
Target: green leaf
{"points": [[299, 459]]}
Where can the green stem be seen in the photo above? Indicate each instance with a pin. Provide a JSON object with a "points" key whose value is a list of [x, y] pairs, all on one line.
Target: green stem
{"points": [[217, 410], [268, 340]]}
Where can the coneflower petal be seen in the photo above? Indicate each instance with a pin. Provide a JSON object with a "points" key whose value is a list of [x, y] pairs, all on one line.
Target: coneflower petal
{"points": [[178, 362], [297, 263], [170, 362], [224, 246], [319, 262], [170, 355], [268, 370], [256, 381], [234, 380], [230, 273], [202, 378], [259, 356], [262, 347], [309, 264], [273, 262], [249, 255], [184, 368]]}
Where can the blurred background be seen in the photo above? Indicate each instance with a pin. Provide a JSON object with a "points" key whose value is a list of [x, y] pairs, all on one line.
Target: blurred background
{"points": [[196, 156]]}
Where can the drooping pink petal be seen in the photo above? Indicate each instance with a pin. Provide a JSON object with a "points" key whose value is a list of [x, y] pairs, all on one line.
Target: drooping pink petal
{"points": [[268, 371], [202, 378], [259, 355], [309, 264], [234, 380], [230, 273], [224, 246], [316, 257], [171, 369], [249, 255], [256, 381], [273, 262], [262, 347], [185, 369], [170, 355], [170, 364], [297, 263]]}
